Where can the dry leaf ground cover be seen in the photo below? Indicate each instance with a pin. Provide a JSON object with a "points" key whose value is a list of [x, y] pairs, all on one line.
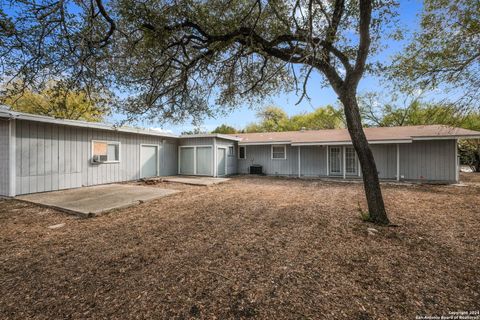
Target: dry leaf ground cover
{"points": [[263, 248]]}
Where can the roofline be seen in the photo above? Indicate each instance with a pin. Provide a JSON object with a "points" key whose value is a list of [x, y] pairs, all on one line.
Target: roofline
{"points": [[246, 143], [78, 123], [457, 136], [333, 143], [210, 135]]}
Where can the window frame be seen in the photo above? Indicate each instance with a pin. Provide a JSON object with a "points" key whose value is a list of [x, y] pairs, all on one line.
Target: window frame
{"points": [[355, 161], [233, 151], [108, 143], [244, 152], [284, 146]]}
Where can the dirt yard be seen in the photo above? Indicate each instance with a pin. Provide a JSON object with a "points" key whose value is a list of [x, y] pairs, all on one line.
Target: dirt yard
{"points": [[260, 248]]}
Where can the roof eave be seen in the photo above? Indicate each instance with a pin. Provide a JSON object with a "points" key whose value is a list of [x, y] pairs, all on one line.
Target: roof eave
{"points": [[81, 124]]}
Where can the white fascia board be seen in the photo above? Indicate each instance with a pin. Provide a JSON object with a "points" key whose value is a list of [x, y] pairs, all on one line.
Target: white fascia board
{"points": [[81, 124], [445, 137], [263, 143], [341, 143], [220, 136]]}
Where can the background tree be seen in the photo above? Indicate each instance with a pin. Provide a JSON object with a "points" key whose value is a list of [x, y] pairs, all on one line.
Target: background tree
{"points": [[59, 102], [225, 129], [445, 53], [186, 59], [274, 119]]}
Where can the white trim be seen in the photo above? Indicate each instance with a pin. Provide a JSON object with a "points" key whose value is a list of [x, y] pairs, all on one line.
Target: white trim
{"points": [[226, 160], [244, 152], [207, 135], [214, 162], [107, 142], [447, 137], [328, 161], [233, 151], [284, 152], [78, 123], [457, 169], [12, 158], [263, 143], [158, 157], [344, 162], [299, 163], [342, 143], [194, 158], [398, 162]]}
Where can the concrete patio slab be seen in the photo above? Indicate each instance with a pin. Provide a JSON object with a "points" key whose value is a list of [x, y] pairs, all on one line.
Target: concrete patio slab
{"points": [[196, 181], [90, 201]]}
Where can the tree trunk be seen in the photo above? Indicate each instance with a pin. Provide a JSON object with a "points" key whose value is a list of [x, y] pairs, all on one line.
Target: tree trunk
{"points": [[371, 183]]}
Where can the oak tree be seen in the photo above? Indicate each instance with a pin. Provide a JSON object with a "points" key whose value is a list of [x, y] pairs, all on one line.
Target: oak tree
{"points": [[190, 59]]}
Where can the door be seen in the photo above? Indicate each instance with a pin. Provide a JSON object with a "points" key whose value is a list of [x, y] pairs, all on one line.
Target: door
{"points": [[335, 161], [149, 161], [187, 164], [222, 161], [204, 161]]}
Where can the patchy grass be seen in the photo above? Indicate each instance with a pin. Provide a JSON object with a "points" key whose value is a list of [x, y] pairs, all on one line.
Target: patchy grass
{"points": [[250, 248]]}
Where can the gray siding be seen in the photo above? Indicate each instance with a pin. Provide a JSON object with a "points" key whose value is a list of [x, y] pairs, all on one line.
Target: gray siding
{"points": [[262, 155], [53, 157], [313, 161], [428, 161], [232, 161], [196, 142], [4, 157], [386, 160]]}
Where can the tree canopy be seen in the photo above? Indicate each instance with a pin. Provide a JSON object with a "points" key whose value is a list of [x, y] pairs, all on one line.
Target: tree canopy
{"points": [[189, 59], [224, 129], [444, 55], [271, 119], [59, 102]]}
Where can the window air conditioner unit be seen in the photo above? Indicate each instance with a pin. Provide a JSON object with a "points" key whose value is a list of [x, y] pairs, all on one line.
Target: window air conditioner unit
{"points": [[99, 158]]}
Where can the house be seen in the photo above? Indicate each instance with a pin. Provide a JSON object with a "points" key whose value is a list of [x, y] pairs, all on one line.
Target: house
{"points": [[39, 153]]}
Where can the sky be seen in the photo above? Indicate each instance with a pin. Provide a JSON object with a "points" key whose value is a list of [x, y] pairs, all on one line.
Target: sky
{"points": [[243, 115]]}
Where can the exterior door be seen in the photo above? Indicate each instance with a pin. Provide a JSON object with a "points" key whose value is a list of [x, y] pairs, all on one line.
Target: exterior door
{"points": [[149, 164], [221, 161], [204, 161], [187, 164], [335, 161]]}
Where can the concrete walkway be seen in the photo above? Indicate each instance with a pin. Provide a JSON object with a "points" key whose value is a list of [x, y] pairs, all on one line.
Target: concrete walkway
{"points": [[90, 201], [195, 180]]}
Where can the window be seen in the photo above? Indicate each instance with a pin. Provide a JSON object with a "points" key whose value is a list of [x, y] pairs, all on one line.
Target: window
{"points": [[242, 152], [105, 151], [231, 151], [279, 152]]}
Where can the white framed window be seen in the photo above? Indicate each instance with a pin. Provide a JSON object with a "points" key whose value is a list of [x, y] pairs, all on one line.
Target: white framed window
{"points": [[279, 152], [231, 151], [105, 151], [242, 152]]}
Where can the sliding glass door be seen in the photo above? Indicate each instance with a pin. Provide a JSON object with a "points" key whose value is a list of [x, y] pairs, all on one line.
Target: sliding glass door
{"points": [[336, 157]]}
